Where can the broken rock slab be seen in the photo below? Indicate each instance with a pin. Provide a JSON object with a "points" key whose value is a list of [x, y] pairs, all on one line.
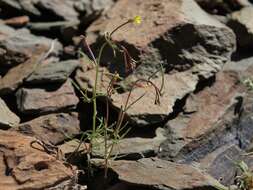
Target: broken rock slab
{"points": [[24, 167], [55, 72], [18, 45], [54, 98], [203, 125], [162, 40], [240, 22], [144, 111], [7, 117], [52, 128], [16, 75], [58, 10], [160, 174]]}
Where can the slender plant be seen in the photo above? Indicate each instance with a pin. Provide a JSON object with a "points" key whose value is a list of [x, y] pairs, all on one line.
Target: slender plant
{"points": [[101, 129]]}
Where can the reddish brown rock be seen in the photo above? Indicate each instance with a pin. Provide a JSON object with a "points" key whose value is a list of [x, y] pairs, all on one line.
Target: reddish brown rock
{"points": [[161, 39], [17, 21], [24, 167], [52, 128], [144, 111], [45, 100], [167, 175]]}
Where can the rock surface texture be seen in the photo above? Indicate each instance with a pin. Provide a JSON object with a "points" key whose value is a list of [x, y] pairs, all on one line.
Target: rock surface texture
{"points": [[24, 167], [168, 175], [201, 116], [51, 10], [52, 128], [18, 45], [15, 76], [160, 40], [135, 147], [175, 98], [223, 131], [52, 99], [53, 72], [222, 7]]}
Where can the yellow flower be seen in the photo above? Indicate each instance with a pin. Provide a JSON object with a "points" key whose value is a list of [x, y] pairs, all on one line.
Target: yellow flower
{"points": [[137, 20]]}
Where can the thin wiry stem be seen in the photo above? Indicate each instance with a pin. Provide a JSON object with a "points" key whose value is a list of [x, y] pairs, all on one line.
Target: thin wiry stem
{"points": [[94, 91], [120, 26], [103, 128]]}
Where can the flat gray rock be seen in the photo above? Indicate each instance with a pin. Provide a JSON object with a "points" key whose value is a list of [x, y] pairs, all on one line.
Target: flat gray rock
{"points": [[240, 66], [60, 9], [55, 98], [133, 148], [53, 72], [220, 163], [66, 10], [17, 46], [15, 76]]}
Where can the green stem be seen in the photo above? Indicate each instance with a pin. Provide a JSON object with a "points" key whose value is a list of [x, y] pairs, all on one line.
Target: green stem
{"points": [[94, 94], [94, 90], [101, 51], [105, 138]]}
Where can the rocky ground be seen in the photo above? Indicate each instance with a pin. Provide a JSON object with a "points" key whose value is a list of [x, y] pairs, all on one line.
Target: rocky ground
{"points": [[204, 120]]}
